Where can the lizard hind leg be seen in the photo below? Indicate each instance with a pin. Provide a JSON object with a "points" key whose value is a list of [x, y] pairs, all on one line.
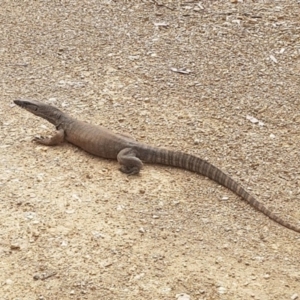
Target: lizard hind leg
{"points": [[130, 164]]}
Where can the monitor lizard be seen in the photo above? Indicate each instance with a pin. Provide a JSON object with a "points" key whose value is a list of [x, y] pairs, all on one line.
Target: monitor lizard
{"points": [[131, 154]]}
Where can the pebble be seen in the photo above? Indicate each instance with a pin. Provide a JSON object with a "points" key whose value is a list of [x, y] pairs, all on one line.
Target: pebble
{"points": [[221, 290], [196, 141], [139, 276], [36, 277], [9, 282], [294, 296], [142, 230], [183, 296], [53, 101], [29, 215], [15, 246]]}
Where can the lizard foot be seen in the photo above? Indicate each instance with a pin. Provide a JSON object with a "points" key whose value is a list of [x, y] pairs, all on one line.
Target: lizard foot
{"points": [[130, 170], [51, 141], [39, 139], [130, 164]]}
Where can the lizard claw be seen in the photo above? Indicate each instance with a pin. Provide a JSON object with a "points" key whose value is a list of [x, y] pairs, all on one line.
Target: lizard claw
{"points": [[38, 138], [49, 141], [41, 140]]}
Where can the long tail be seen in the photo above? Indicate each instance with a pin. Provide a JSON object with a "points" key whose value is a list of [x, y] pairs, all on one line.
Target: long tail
{"points": [[195, 164]]}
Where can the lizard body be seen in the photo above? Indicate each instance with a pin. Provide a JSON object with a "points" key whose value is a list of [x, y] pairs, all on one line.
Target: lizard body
{"points": [[131, 154]]}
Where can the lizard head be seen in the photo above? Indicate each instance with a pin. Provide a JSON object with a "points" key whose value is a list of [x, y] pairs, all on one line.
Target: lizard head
{"points": [[46, 111]]}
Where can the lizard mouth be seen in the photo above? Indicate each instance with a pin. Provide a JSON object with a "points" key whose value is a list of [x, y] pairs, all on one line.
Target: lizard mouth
{"points": [[26, 104], [19, 102]]}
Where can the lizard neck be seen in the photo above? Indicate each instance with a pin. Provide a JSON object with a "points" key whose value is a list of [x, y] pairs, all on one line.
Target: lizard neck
{"points": [[55, 117]]}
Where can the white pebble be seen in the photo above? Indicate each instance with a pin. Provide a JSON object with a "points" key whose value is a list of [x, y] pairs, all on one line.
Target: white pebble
{"points": [[9, 281], [294, 296], [183, 296], [221, 290]]}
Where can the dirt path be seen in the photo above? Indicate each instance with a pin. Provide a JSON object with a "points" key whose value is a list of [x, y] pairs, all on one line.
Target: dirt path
{"points": [[183, 75]]}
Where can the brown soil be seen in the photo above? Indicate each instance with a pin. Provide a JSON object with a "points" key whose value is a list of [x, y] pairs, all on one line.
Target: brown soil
{"points": [[179, 74]]}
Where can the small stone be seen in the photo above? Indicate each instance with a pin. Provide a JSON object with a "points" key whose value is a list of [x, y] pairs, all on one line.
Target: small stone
{"points": [[108, 264], [9, 282], [15, 246], [35, 233], [273, 58], [36, 277], [139, 276], [196, 141], [294, 296], [221, 290], [120, 207], [29, 215], [142, 230], [52, 100], [183, 296]]}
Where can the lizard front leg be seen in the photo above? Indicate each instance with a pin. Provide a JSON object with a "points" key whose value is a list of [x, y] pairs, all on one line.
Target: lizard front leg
{"points": [[130, 164], [56, 139]]}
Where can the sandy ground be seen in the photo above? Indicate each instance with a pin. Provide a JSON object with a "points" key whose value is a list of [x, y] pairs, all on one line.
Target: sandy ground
{"points": [[179, 74]]}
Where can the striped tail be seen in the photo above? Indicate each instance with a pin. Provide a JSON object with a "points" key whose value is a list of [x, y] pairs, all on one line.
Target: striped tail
{"points": [[195, 164]]}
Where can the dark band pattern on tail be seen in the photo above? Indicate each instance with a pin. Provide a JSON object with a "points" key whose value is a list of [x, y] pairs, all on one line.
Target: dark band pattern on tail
{"points": [[195, 164]]}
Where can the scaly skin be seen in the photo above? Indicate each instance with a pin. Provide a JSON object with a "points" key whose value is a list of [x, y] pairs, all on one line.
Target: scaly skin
{"points": [[130, 153]]}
